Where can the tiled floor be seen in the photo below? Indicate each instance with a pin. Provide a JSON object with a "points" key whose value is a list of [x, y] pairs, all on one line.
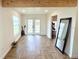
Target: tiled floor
{"points": [[35, 47]]}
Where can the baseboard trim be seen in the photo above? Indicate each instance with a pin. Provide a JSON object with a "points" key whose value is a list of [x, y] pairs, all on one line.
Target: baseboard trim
{"points": [[70, 56], [4, 55], [18, 38]]}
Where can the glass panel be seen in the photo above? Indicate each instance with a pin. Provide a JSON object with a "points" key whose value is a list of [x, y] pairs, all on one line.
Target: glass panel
{"points": [[30, 26], [37, 26], [62, 34]]}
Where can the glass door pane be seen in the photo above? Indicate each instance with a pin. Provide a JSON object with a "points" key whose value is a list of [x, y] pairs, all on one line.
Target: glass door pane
{"points": [[30, 26], [37, 26]]}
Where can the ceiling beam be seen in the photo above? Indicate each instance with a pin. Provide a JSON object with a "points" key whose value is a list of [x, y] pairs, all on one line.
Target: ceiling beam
{"points": [[39, 3]]}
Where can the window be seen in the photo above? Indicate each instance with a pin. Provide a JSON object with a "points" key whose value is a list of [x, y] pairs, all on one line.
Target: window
{"points": [[16, 25]]}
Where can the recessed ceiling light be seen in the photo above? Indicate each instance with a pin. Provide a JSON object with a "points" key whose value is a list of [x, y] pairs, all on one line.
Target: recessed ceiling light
{"points": [[24, 11], [46, 11]]}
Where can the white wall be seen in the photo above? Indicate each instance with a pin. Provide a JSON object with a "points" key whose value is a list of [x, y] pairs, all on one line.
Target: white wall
{"points": [[1, 34], [6, 30], [75, 44], [42, 18], [65, 12]]}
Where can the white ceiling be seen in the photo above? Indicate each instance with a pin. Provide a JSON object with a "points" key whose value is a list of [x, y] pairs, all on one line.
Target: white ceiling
{"points": [[40, 10], [34, 10]]}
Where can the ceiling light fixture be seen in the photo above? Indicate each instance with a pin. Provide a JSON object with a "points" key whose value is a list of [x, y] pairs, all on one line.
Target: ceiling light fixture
{"points": [[24, 11], [46, 11]]}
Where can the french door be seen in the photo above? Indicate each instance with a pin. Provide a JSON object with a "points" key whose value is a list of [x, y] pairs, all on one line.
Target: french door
{"points": [[33, 26]]}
